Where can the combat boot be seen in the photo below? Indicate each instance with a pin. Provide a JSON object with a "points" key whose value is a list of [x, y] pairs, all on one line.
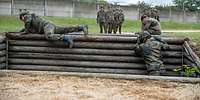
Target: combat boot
{"points": [[84, 28]]}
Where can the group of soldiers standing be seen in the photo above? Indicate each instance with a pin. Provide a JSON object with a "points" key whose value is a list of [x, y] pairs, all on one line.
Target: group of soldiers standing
{"points": [[111, 20]]}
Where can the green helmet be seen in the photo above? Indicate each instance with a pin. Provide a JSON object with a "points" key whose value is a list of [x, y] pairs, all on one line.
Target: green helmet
{"points": [[22, 13]]}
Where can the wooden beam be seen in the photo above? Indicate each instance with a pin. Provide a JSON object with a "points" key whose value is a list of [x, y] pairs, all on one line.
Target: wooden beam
{"points": [[93, 64], [84, 51], [93, 45], [91, 38], [130, 59]]}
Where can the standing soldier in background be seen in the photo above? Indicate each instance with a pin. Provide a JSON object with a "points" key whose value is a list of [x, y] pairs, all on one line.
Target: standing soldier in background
{"points": [[116, 20], [101, 19], [151, 25], [155, 14], [121, 19], [36, 25], [109, 19]]}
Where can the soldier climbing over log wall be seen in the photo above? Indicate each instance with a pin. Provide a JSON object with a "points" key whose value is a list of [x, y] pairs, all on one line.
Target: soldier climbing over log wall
{"points": [[35, 24]]}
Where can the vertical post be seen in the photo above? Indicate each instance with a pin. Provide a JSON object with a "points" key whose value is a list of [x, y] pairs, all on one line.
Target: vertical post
{"points": [[45, 7], [72, 10], [138, 10], [6, 41], [12, 4], [170, 13]]}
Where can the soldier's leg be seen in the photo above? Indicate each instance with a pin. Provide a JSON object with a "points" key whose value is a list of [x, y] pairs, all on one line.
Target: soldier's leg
{"points": [[153, 69], [109, 28], [154, 32], [105, 27], [71, 29], [101, 27], [120, 26], [115, 27], [49, 32]]}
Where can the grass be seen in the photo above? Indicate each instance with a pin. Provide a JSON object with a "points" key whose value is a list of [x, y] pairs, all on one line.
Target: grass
{"points": [[12, 23]]}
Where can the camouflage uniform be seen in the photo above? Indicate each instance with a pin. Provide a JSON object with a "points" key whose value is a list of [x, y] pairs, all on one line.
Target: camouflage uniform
{"points": [[150, 48], [110, 19], [155, 14], [101, 20], [152, 26], [121, 20], [116, 20], [35, 24]]}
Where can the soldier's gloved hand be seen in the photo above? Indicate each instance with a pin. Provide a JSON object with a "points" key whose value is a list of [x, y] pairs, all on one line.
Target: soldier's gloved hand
{"points": [[69, 41]]}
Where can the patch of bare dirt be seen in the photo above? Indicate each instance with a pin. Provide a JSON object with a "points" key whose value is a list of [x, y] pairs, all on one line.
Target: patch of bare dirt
{"points": [[54, 87]]}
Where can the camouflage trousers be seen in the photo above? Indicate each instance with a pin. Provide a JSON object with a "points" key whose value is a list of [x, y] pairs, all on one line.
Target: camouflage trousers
{"points": [[54, 33], [103, 26], [110, 27], [155, 68], [154, 32], [116, 27]]}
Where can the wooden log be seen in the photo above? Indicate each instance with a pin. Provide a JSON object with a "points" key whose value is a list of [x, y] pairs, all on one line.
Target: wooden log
{"points": [[91, 38], [2, 46], [76, 69], [88, 57], [2, 65], [2, 59], [192, 54], [102, 75], [93, 64], [84, 70], [84, 51], [2, 53], [94, 45]]}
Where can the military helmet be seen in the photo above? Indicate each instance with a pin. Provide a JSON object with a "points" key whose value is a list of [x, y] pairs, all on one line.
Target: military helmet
{"points": [[23, 12]]}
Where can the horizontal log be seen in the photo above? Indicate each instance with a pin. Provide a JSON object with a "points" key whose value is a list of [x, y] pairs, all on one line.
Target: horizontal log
{"points": [[2, 65], [84, 70], [2, 59], [91, 38], [2, 53], [93, 64], [84, 51], [88, 57], [93, 45], [2, 46]]}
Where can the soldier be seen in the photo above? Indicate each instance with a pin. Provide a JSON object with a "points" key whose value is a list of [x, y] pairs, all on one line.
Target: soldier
{"points": [[35, 24], [121, 20], [116, 20], [147, 12], [151, 25], [150, 47], [110, 19], [155, 14], [101, 19]]}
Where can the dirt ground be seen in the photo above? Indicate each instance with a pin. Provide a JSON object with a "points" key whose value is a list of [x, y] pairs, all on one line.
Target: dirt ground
{"points": [[54, 87]]}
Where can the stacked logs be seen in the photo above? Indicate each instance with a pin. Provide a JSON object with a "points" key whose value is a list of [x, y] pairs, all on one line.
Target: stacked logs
{"points": [[3, 53], [93, 53]]}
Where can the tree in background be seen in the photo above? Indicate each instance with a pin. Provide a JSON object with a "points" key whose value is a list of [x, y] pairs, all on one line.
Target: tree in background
{"points": [[191, 5]]}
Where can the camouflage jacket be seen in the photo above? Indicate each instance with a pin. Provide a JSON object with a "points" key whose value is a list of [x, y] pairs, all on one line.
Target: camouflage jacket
{"points": [[109, 16], [151, 50], [151, 24], [34, 24], [101, 16]]}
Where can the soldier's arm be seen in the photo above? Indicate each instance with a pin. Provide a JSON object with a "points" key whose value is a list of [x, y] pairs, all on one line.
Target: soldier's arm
{"points": [[98, 17], [138, 50], [147, 25]]}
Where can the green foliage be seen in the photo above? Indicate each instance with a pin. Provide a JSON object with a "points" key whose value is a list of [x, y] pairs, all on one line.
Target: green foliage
{"points": [[191, 5], [188, 71]]}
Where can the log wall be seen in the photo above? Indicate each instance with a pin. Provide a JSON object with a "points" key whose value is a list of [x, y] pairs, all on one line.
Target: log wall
{"points": [[94, 53], [3, 53]]}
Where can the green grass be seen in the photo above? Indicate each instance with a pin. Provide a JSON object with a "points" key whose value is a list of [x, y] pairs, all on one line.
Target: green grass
{"points": [[12, 23]]}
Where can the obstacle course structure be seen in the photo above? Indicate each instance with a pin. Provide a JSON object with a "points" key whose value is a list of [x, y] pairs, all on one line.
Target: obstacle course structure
{"points": [[92, 54]]}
